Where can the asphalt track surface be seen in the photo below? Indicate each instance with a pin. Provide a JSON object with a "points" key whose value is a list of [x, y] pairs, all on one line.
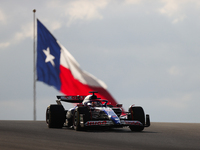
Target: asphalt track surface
{"points": [[30, 135]]}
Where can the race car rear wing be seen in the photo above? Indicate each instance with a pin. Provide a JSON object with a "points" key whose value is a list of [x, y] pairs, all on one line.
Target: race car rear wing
{"points": [[71, 99]]}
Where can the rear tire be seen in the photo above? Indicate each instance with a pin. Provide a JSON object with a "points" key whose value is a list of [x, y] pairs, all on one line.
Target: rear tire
{"points": [[55, 116], [137, 114]]}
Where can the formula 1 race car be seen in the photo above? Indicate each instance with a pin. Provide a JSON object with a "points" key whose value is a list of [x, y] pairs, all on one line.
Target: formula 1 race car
{"points": [[91, 111]]}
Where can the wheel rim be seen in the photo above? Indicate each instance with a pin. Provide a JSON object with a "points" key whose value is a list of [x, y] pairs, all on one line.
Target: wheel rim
{"points": [[75, 119]]}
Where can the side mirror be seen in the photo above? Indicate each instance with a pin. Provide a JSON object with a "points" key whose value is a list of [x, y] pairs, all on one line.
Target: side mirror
{"points": [[119, 105]]}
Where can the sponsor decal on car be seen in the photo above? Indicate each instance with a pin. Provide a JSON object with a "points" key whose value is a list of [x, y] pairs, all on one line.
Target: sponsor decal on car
{"points": [[73, 97], [108, 122], [129, 122], [97, 123]]}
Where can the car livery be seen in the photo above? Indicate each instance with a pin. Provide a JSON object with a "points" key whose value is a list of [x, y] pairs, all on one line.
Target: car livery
{"points": [[91, 111]]}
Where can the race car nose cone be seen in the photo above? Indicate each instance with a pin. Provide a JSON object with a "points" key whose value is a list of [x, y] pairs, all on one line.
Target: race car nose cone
{"points": [[115, 119]]}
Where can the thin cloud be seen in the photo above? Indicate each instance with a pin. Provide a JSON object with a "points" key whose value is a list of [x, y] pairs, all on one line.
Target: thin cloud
{"points": [[175, 9], [132, 1], [174, 71], [84, 10], [2, 17], [25, 32], [4, 45]]}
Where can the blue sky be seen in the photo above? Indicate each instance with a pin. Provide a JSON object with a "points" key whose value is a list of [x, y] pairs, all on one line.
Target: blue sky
{"points": [[146, 52]]}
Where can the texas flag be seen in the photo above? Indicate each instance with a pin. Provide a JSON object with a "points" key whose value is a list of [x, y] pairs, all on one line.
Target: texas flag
{"points": [[57, 67]]}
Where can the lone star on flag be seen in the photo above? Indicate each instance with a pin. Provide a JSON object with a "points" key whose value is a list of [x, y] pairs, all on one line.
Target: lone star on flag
{"points": [[49, 57]]}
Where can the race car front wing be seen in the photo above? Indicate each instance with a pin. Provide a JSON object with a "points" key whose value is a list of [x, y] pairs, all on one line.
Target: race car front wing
{"points": [[110, 123]]}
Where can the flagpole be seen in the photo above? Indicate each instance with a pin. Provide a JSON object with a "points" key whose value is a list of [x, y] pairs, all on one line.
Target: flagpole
{"points": [[34, 69]]}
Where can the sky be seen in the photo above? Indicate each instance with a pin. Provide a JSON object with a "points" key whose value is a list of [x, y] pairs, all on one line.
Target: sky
{"points": [[147, 53]]}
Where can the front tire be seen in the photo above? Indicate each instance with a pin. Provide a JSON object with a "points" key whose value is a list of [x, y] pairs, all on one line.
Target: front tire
{"points": [[81, 116], [76, 121], [137, 114]]}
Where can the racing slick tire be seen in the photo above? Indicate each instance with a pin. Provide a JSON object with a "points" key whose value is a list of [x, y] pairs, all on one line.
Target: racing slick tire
{"points": [[76, 121], [55, 116], [137, 113], [81, 116]]}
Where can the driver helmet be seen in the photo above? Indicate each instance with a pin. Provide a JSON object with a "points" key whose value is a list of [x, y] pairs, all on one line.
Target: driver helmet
{"points": [[87, 99]]}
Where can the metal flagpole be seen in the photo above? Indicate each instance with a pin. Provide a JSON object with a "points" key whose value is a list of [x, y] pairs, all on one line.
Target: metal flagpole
{"points": [[34, 69]]}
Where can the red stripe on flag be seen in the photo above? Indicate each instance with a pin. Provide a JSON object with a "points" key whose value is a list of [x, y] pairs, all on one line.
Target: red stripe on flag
{"points": [[71, 86]]}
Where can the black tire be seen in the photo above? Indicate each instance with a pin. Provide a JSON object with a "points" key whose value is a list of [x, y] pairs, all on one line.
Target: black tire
{"points": [[83, 113], [76, 121], [55, 116], [137, 113]]}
